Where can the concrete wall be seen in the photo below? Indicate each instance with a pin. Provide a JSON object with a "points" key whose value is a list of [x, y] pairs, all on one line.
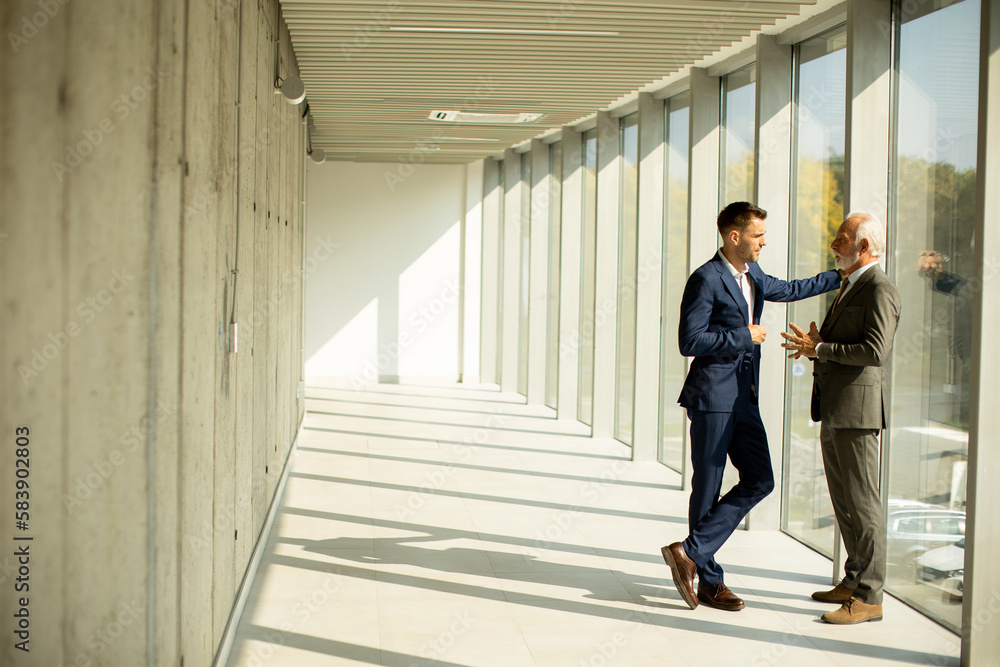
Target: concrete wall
{"points": [[390, 304], [152, 188]]}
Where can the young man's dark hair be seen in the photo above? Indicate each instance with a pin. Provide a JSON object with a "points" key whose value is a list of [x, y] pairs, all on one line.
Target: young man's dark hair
{"points": [[738, 215]]}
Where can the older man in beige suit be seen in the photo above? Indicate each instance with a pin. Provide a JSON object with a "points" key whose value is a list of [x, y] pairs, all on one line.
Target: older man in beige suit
{"points": [[850, 396]]}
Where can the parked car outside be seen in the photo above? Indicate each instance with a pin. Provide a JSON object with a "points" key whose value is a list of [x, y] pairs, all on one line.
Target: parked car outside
{"points": [[914, 528], [944, 568]]}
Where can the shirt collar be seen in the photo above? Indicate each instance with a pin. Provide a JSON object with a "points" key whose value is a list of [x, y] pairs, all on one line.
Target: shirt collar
{"points": [[853, 278], [732, 269]]}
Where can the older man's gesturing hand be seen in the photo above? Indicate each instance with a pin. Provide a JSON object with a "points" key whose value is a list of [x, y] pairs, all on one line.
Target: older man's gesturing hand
{"points": [[800, 342]]}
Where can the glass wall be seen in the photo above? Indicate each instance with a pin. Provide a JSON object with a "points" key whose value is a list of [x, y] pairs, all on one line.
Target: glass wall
{"points": [[673, 424], [628, 232], [524, 300], [738, 136], [934, 197], [588, 279], [817, 211], [552, 284]]}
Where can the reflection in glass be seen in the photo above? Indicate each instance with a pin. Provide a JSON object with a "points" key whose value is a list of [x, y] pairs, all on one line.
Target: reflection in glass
{"points": [[934, 197], [673, 424], [552, 303], [628, 229], [738, 138], [524, 222], [818, 210], [588, 279]]}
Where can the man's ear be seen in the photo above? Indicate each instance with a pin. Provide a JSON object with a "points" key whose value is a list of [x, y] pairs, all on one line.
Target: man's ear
{"points": [[734, 235]]}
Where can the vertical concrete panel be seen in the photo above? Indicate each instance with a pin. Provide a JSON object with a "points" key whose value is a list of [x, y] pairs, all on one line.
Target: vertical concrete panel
{"points": [[261, 380], [243, 529], [108, 112], [773, 166], [648, 280], [223, 552], [33, 306], [569, 273], [163, 441], [199, 329], [273, 291], [606, 267], [282, 234]]}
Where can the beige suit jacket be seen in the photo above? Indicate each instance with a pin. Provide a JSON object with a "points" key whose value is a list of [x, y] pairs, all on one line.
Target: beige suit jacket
{"points": [[851, 374]]}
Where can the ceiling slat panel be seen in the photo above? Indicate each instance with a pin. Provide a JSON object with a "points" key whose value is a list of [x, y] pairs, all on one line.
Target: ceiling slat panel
{"points": [[375, 70]]}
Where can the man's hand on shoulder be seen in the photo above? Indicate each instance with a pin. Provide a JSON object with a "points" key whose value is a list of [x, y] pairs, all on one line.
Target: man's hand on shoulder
{"points": [[758, 332]]}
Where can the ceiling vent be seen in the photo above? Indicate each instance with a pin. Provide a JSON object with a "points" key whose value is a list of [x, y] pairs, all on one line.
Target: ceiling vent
{"points": [[490, 118]]}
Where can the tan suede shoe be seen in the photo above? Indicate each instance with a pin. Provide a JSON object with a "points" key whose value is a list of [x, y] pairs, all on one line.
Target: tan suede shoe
{"points": [[854, 611], [839, 594]]}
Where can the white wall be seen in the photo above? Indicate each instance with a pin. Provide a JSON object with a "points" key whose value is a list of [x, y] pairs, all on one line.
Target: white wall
{"points": [[387, 304]]}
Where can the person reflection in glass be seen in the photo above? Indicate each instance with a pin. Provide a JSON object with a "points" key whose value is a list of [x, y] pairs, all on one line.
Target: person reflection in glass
{"points": [[931, 266]]}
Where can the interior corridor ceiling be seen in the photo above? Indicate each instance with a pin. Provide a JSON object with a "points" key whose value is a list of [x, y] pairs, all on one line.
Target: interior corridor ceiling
{"points": [[374, 71]]}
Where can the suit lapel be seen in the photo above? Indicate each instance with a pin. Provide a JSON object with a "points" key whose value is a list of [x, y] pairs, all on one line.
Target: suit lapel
{"points": [[731, 285], [834, 314]]}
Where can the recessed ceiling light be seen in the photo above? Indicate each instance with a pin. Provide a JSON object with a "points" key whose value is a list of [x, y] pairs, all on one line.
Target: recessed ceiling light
{"points": [[490, 118], [508, 31], [458, 139]]}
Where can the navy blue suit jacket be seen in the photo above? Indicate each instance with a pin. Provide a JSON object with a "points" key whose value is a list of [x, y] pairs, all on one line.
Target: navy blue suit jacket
{"points": [[713, 329]]}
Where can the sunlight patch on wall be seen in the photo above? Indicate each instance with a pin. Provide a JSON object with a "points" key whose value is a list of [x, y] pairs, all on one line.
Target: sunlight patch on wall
{"points": [[429, 299], [351, 350]]}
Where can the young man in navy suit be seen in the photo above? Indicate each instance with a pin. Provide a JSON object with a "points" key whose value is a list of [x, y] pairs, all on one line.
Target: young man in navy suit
{"points": [[720, 327]]}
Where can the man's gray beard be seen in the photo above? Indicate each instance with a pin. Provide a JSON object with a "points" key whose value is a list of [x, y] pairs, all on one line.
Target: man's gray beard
{"points": [[844, 263]]}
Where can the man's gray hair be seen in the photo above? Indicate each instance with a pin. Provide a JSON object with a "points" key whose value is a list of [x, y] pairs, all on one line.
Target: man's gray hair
{"points": [[870, 228]]}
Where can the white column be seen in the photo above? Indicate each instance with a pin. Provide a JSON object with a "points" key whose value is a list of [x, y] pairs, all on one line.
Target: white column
{"points": [[511, 270], [703, 193], [703, 181], [538, 283], [490, 304], [980, 641], [869, 64], [569, 273], [645, 427], [773, 167], [866, 178], [606, 267], [472, 249]]}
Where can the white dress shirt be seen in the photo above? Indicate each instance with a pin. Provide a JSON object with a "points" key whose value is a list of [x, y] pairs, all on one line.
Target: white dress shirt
{"points": [[743, 280]]}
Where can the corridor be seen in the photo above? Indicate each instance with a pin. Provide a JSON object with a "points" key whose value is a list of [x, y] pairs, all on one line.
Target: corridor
{"points": [[455, 525]]}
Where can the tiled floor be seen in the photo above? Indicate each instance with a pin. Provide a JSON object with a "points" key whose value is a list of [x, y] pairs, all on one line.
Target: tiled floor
{"points": [[457, 526]]}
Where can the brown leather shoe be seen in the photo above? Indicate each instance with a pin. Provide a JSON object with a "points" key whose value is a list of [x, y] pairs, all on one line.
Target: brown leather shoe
{"points": [[683, 570], [854, 611], [839, 594], [720, 597]]}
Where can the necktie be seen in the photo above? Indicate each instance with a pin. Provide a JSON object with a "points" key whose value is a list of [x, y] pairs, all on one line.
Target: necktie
{"points": [[843, 286]]}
